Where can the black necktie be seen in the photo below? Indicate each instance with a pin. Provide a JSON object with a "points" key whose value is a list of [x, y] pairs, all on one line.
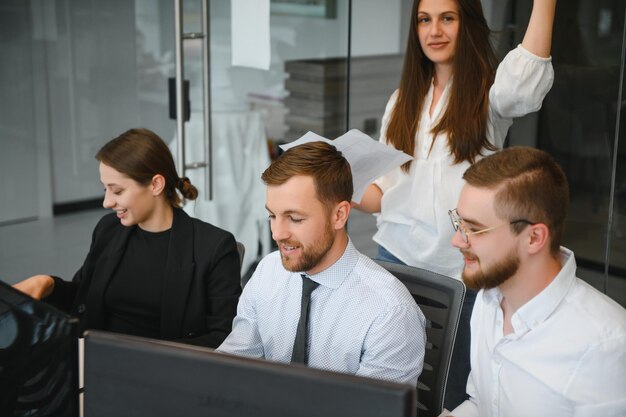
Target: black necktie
{"points": [[299, 353]]}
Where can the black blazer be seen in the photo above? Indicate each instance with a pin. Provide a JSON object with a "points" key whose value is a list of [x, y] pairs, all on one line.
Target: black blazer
{"points": [[201, 288]]}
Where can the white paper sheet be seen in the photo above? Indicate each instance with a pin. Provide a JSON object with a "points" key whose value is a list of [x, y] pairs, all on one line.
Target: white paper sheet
{"points": [[250, 33], [368, 158]]}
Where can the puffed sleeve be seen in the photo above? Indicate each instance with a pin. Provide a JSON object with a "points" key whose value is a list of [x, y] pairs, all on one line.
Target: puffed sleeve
{"points": [[522, 81]]}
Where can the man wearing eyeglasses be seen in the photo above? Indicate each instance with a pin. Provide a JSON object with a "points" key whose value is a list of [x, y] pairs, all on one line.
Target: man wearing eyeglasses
{"points": [[544, 343]]}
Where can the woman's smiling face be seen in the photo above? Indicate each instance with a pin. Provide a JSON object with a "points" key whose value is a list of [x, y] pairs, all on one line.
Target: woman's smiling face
{"points": [[134, 203]]}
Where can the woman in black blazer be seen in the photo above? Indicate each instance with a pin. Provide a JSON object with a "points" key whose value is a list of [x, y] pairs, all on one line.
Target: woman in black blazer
{"points": [[151, 270]]}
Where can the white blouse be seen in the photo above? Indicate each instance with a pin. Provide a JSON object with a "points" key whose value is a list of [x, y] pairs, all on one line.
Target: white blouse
{"points": [[413, 223]]}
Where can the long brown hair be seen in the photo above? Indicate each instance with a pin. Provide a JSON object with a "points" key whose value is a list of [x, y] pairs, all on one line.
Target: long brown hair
{"points": [[466, 116], [141, 154]]}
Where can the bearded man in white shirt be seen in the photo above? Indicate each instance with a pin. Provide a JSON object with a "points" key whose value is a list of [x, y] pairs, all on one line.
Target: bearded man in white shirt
{"points": [[544, 342]]}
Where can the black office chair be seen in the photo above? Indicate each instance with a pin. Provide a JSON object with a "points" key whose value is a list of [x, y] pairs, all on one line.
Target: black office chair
{"points": [[440, 298]]}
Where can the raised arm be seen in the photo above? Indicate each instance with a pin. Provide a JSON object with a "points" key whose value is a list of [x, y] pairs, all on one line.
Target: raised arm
{"points": [[538, 36]]}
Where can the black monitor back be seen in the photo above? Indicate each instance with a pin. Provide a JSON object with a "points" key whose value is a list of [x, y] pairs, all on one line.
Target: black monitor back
{"points": [[38, 357], [132, 376]]}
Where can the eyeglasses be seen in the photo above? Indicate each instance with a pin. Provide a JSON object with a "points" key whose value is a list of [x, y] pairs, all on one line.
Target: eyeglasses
{"points": [[457, 224]]}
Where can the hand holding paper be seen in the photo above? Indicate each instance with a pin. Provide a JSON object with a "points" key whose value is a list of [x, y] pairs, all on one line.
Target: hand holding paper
{"points": [[368, 158]]}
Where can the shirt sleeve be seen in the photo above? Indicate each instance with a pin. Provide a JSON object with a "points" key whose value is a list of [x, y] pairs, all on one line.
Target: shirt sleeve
{"points": [[599, 384], [245, 339], [522, 81], [395, 345]]}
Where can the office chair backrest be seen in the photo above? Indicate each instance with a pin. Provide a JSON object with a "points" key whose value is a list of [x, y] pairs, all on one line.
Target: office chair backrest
{"points": [[440, 298]]}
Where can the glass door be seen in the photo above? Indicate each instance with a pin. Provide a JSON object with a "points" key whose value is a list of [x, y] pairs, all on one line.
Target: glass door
{"points": [[253, 110], [107, 68], [80, 72]]}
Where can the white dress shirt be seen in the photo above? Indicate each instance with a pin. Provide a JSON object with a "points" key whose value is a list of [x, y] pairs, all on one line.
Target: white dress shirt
{"points": [[565, 357], [413, 224], [362, 320]]}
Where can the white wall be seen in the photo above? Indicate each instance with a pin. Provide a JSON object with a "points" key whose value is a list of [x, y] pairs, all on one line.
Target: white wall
{"points": [[18, 144], [376, 27]]}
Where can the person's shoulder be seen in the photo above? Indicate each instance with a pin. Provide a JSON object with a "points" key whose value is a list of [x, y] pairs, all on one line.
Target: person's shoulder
{"points": [[597, 310], [107, 228], [108, 222], [108, 219], [204, 227], [269, 273], [393, 98], [367, 264], [271, 260], [381, 281], [584, 307]]}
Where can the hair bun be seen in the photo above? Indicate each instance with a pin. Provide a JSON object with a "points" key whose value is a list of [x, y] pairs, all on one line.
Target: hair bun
{"points": [[187, 189], [180, 184]]}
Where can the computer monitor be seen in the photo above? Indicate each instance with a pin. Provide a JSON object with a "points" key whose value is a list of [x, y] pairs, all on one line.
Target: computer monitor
{"points": [[38, 357], [133, 376]]}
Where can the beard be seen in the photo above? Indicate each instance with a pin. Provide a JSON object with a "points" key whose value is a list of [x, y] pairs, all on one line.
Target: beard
{"points": [[493, 275], [310, 256]]}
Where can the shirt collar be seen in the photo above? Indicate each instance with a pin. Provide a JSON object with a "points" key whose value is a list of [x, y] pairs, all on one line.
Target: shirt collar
{"points": [[491, 296], [537, 310], [442, 100], [334, 275]]}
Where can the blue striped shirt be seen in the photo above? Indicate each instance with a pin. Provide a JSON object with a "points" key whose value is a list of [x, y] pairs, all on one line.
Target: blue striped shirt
{"points": [[362, 320]]}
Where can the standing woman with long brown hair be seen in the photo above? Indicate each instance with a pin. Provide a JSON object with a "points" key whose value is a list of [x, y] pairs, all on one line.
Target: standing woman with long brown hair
{"points": [[452, 107], [151, 270]]}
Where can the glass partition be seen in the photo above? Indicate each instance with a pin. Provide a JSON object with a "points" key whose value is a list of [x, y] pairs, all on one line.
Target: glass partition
{"points": [[254, 110], [615, 270], [95, 69], [304, 45], [580, 124]]}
